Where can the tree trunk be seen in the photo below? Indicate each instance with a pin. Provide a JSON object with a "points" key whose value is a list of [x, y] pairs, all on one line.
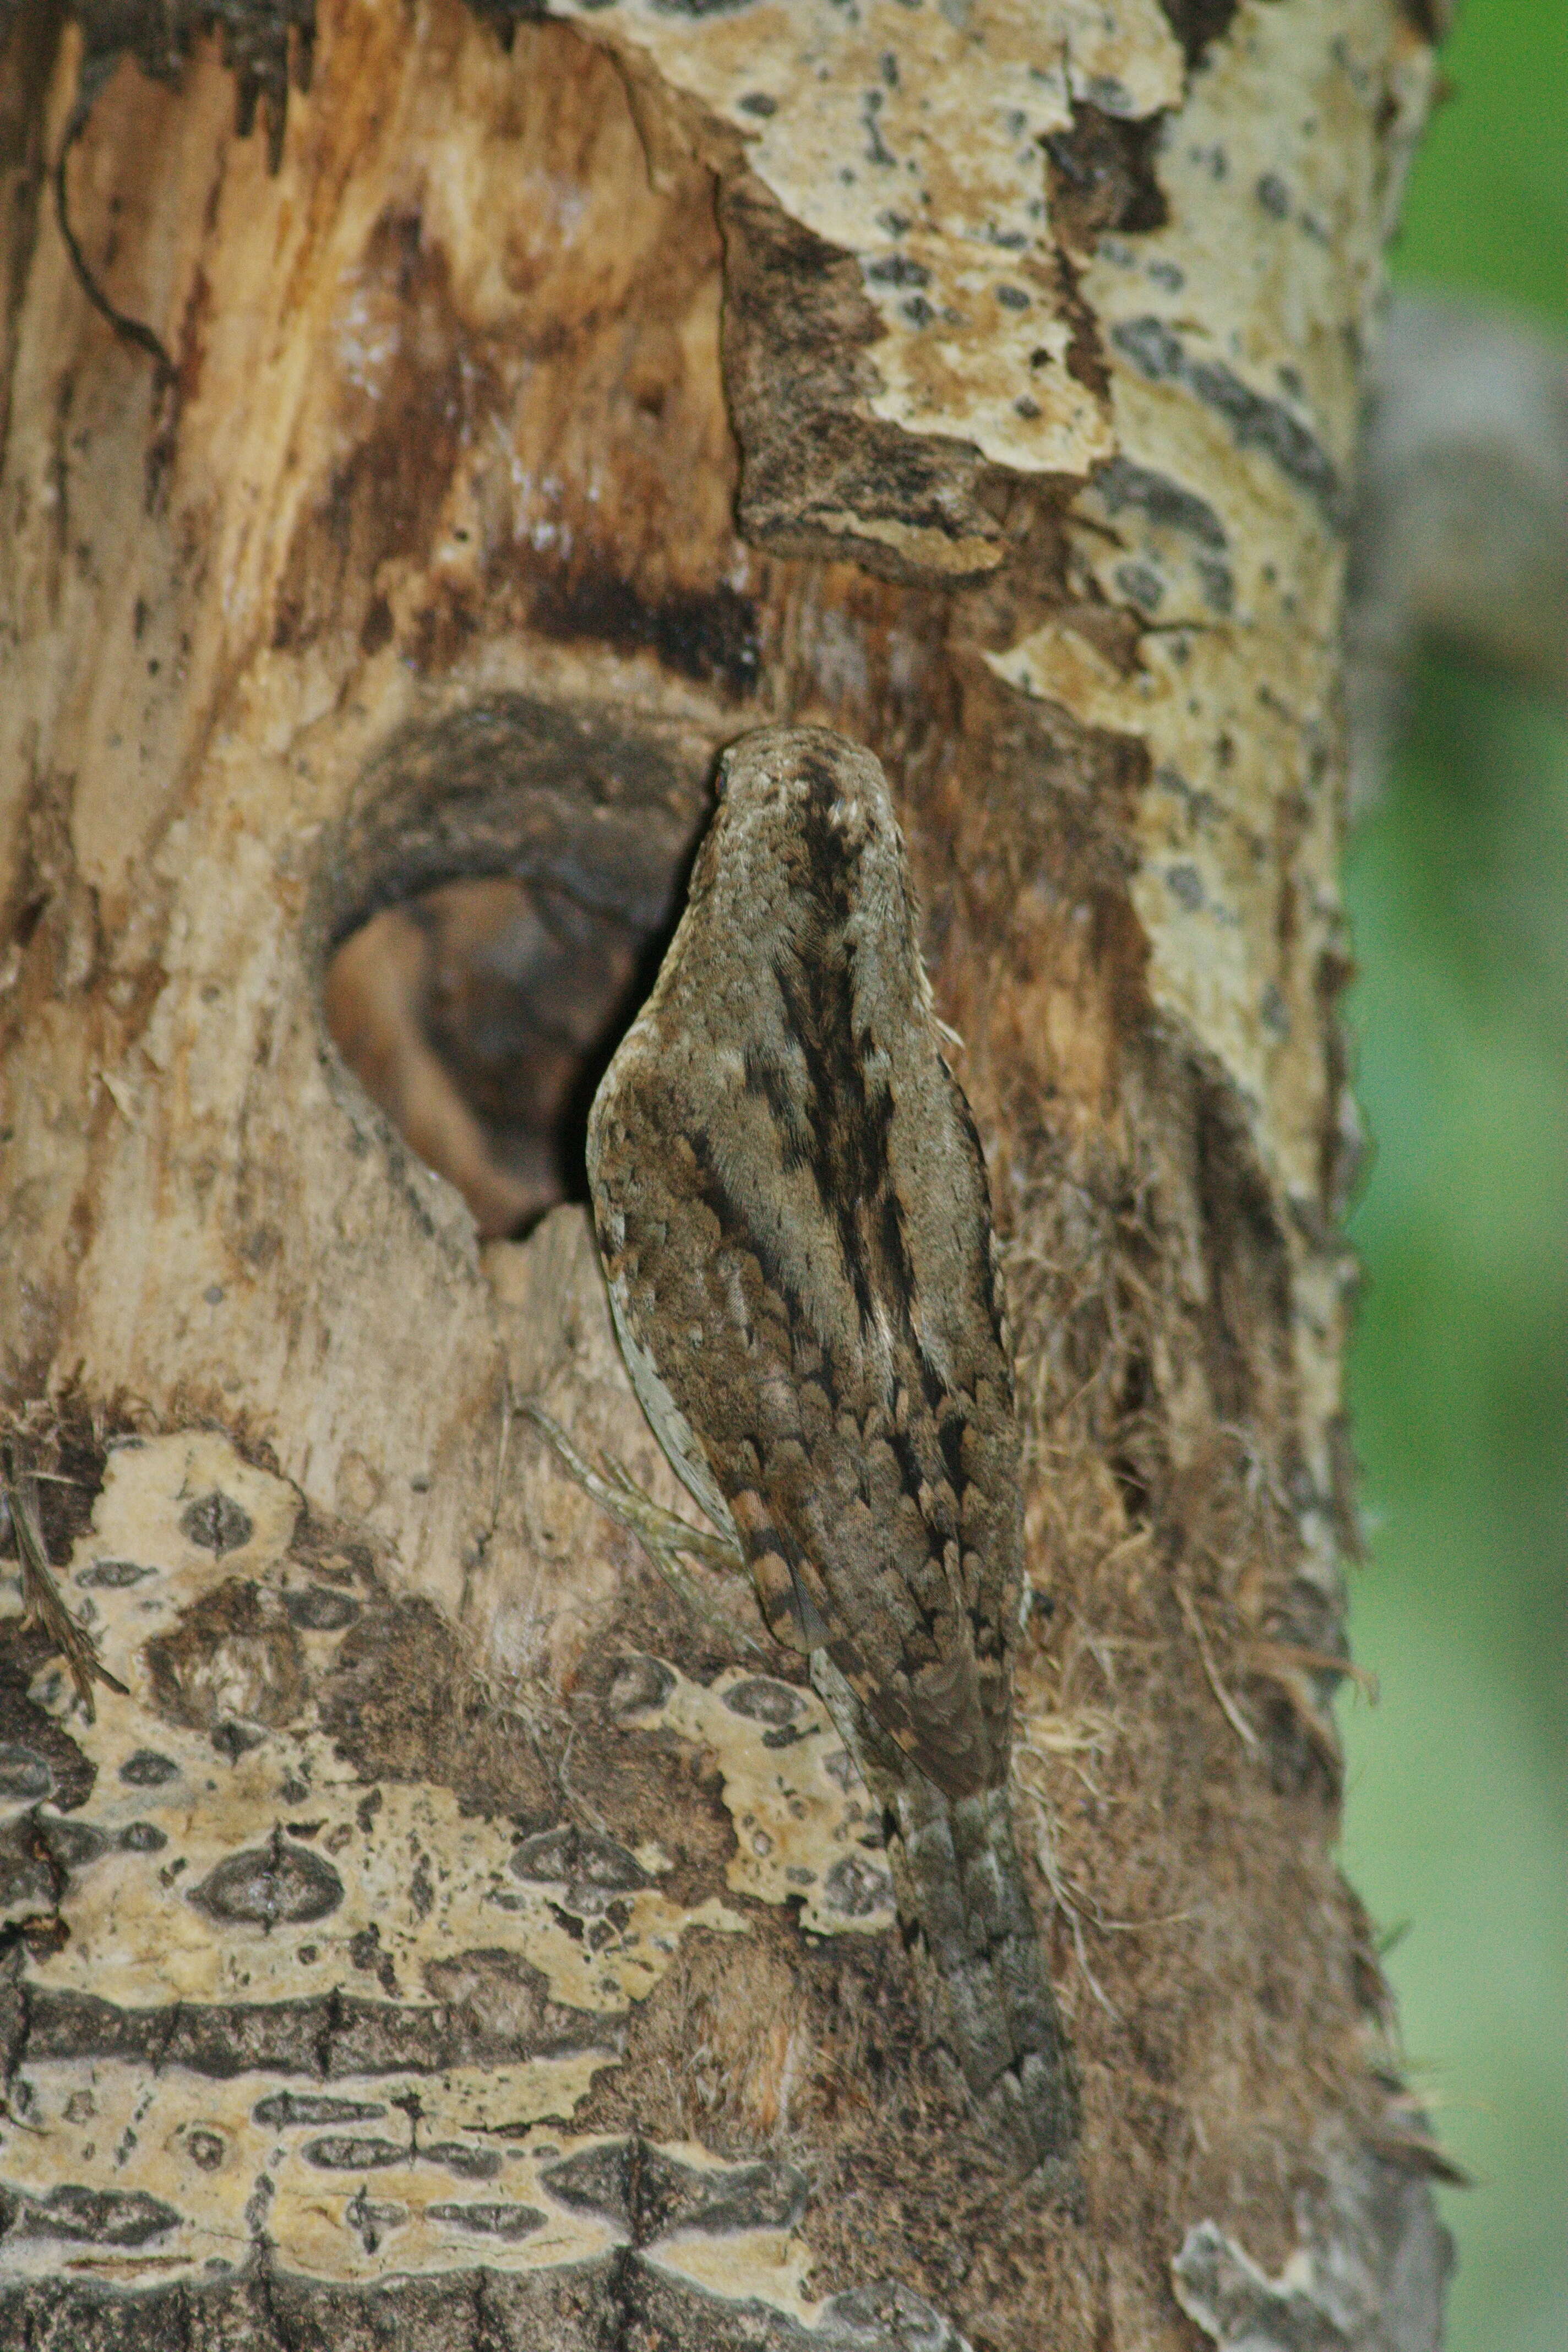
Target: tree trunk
{"points": [[449, 1937]]}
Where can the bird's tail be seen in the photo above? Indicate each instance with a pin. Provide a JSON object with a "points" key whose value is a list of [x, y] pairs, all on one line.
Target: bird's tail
{"points": [[964, 1909], [966, 1914]]}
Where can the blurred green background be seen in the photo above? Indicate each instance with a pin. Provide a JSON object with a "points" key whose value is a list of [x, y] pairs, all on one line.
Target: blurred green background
{"points": [[1457, 1821]]}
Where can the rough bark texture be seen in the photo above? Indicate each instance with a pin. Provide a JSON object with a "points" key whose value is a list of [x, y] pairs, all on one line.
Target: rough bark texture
{"points": [[449, 1939]]}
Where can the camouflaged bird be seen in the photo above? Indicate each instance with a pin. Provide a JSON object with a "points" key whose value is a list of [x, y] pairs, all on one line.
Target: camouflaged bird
{"points": [[792, 1209]]}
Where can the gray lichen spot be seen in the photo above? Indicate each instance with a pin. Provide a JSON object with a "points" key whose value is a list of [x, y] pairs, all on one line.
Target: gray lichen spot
{"points": [[370, 2222], [603, 1865], [1186, 887], [507, 2222], [1274, 1013], [231, 1662], [545, 1857], [142, 1837], [112, 1575], [216, 1523], [699, 8], [95, 2217], [234, 1735], [317, 1609], [72, 1845], [888, 2314], [638, 1683], [266, 1886], [1141, 585], [1254, 422], [284, 2108], [762, 1700], [147, 1770], [855, 1887], [1218, 585], [596, 2181], [24, 1774], [744, 2197], [1122, 484], [898, 269], [341, 2152], [1151, 346], [468, 2163], [654, 2194], [583, 1859], [1268, 426], [1201, 806]]}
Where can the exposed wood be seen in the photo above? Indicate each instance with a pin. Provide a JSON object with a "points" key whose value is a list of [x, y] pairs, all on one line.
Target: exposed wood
{"points": [[445, 1936]]}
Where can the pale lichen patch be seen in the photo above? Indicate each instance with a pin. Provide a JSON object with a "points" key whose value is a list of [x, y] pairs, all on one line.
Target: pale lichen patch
{"points": [[1234, 335], [432, 2173], [910, 138], [240, 1857], [442, 2208], [806, 1829], [271, 1996], [1232, 386], [770, 2266]]}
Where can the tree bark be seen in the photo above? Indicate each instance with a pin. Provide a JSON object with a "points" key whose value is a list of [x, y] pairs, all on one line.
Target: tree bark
{"points": [[449, 1937]]}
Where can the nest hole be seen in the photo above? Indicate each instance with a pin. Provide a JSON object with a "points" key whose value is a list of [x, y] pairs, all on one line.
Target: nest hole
{"points": [[482, 1014], [487, 918]]}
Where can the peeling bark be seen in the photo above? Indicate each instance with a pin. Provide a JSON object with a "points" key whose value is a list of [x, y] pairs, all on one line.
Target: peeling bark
{"points": [[446, 1938]]}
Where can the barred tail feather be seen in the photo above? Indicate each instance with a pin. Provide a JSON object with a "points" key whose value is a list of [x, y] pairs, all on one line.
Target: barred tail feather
{"points": [[960, 1886], [966, 1911]]}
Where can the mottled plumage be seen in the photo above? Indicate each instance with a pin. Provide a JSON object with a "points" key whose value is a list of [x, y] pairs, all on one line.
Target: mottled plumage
{"points": [[792, 1207]]}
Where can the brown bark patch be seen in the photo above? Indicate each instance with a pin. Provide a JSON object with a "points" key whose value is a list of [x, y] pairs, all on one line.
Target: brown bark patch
{"points": [[1101, 177], [234, 1659], [403, 427], [1197, 25], [821, 475], [402, 1705]]}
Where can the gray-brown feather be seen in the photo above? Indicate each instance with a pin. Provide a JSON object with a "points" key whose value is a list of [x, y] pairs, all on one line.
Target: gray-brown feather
{"points": [[792, 1208], [811, 1269]]}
